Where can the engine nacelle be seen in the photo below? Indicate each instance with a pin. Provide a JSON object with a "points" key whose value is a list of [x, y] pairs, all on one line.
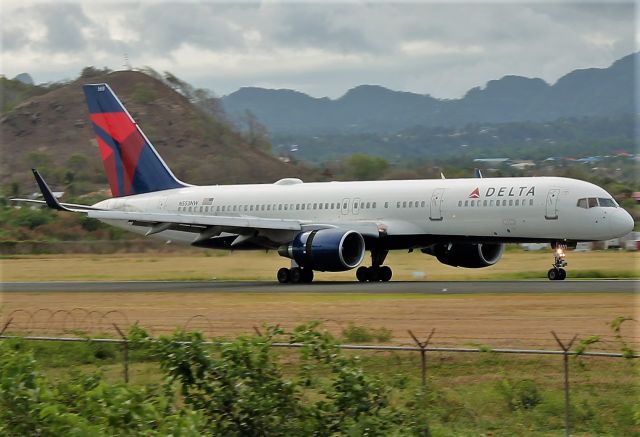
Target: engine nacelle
{"points": [[469, 255], [327, 250]]}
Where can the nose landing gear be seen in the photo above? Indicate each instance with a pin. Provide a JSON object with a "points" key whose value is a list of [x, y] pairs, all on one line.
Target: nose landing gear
{"points": [[557, 273]]}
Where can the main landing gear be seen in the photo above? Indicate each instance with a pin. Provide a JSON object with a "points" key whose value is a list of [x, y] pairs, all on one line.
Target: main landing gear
{"points": [[295, 275], [557, 273], [377, 272]]}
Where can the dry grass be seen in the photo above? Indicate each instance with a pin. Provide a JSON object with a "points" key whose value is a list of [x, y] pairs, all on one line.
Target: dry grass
{"points": [[262, 266], [517, 320]]}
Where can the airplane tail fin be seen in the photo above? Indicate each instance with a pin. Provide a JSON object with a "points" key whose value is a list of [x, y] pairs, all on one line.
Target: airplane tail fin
{"points": [[131, 162]]}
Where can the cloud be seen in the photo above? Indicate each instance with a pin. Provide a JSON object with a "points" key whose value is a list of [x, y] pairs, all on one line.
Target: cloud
{"points": [[324, 49]]}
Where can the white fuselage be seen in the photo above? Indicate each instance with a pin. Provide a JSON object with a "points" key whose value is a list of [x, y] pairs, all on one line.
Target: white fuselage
{"points": [[410, 213]]}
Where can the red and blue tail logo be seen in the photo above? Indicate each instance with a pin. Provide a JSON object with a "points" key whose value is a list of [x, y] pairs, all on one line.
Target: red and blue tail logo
{"points": [[132, 164]]}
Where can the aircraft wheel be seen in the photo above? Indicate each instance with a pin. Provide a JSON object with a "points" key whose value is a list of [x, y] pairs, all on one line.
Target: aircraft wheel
{"points": [[362, 274], [385, 273], [284, 275], [562, 274], [295, 275], [553, 274]]}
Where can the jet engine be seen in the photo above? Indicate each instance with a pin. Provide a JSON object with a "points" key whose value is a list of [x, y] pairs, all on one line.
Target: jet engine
{"points": [[469, 255], [327, 250]]}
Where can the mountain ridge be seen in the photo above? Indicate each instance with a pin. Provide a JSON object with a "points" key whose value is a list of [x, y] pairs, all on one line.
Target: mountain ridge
{"points": [[374, 108]]}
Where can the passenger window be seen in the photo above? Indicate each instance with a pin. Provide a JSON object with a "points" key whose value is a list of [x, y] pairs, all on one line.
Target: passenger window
{"points": [[326, 206], [517, 202], [459, 202], [491, 203], [530, 202], [484, 203], [368, 205], [404, 204], [386, 204], [422, 204], [410, 204], [466, 203], [397, 204], [473, 203], [510, 202], [373, 205], [361, 205]]}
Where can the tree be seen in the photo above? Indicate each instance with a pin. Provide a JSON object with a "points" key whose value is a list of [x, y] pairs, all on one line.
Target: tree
{"points": [[364, 167]]}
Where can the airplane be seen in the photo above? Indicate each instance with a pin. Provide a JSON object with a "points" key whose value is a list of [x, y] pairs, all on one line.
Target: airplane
{"points": [[329, 226]]}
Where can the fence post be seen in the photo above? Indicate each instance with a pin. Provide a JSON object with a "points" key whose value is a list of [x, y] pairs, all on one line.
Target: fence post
{"points": [[423, 353], [125, 350], [567, 404]]}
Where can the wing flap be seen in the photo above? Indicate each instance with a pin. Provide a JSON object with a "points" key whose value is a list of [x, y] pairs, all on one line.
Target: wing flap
{"points": [[198, 220]]}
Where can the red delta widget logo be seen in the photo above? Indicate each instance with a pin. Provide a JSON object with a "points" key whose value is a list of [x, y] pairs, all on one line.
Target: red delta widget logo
{"points": [[475, 194]]}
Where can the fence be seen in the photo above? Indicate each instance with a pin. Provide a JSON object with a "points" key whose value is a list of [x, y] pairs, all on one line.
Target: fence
{"points": [[421, 346]]}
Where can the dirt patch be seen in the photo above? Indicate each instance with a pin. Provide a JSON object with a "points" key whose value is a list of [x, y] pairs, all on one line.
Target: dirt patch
{"points": [[460, 320]]}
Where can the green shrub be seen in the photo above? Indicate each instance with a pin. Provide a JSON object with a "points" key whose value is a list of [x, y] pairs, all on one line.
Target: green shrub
{"points": [[522, 394], [361, 334]]}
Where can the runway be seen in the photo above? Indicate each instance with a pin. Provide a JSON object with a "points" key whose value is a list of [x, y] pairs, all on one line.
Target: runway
{"points": [[427, 287]]}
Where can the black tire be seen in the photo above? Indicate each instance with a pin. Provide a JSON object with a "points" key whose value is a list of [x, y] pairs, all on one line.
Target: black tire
{"points": [[296, 275], [553, 274], [385, 273], [284, 275], [307, 276], [362, 274], [563, 274]]}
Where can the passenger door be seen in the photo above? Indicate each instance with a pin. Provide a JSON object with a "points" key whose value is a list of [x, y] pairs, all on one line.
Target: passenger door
{"points": [[551, 210], [435, 210]]}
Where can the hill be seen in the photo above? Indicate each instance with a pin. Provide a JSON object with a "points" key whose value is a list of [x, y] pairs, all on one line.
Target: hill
{"points": [[593, 92], [51, 131]]}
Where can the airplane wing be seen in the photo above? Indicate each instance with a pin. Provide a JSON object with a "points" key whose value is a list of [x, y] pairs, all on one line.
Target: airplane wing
{"points": [[74, 207], [159, 222], [205, 225], [50, 200]]}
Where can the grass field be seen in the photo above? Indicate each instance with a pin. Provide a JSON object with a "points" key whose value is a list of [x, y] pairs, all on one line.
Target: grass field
{"points": [[208, 265]]}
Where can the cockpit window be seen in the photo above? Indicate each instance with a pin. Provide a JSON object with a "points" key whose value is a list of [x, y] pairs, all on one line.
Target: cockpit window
{"points": [[592, 202], [606, 203]]}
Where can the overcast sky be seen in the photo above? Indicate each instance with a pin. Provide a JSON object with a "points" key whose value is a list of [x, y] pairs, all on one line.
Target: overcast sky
{"points": [[322, 49]]}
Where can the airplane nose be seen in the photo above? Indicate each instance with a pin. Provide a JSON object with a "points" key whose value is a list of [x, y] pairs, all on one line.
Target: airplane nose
{"points": [[622, 223]]}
